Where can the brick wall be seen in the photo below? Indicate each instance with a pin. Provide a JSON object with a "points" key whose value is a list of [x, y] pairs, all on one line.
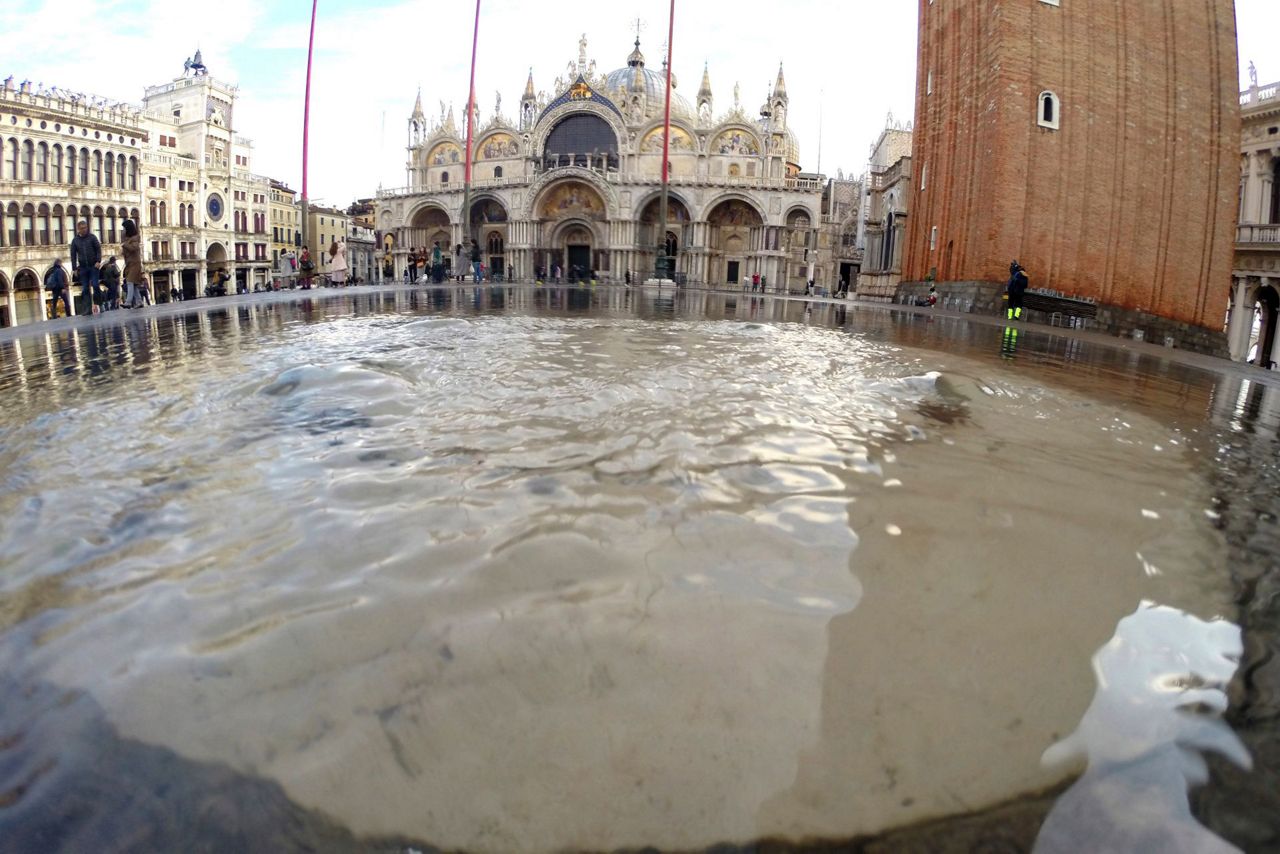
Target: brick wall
{"points": [[1132, 201]]}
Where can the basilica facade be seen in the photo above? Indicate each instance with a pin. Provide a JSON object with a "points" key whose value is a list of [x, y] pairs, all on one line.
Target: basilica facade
{"points": [[574, 182]]}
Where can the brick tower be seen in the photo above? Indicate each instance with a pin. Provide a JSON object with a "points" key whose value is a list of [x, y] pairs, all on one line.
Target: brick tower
{"points": [[1096, 141]]}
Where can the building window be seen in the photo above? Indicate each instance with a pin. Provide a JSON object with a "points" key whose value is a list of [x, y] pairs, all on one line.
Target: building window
{"points": [[28, 155], [444, 177], [497, 171], [933, 238], [929, 85], [924, 176], [1049, 111]]}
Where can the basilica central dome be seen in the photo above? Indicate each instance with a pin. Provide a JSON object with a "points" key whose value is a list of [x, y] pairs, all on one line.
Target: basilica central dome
{"points": [[653, 82]]}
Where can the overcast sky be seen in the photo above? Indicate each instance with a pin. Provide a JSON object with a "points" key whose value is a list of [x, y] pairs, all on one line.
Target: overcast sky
{"points": [[848, 64]]}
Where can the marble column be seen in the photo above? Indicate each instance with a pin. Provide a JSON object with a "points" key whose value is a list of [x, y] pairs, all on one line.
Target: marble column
{"points": [[1241, 319]]}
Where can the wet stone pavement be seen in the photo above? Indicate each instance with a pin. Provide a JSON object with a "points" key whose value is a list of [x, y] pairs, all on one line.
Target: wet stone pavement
{"points": [[168, 802]]}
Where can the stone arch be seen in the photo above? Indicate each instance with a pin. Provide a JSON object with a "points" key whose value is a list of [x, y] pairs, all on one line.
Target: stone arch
{"points": [[735, 223], [421, 211], [676, 203], [445, 151], [652, 132], [556, 117], [488, 208], [216, 255], [568, 198], [429, 224], [803, 210], [499, 143], [719, 200], [548, 181], [27, 302], [735, 138], [28, 279]]}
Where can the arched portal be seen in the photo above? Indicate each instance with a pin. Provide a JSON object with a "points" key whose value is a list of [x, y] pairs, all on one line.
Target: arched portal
{"points": [[581, 140], [26, 298], [562, 204], [429, 226], [5, 319], [648, 236], [1262, 349], [735, 229], [489, 227]]}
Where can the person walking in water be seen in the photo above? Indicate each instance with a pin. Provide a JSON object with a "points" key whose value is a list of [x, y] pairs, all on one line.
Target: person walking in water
{"points": [[56, 281], [111, 278], [86, 258], [1016, 289]]}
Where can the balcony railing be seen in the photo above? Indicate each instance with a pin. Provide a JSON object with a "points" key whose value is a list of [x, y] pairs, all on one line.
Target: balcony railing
{"points": [[1258, 234]]}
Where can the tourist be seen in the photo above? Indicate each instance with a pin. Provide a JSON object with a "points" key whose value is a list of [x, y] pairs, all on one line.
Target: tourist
{"points": [[86, 258], [111, 277], [284, 270], [459, 264], [421, 270], [477, 271], [1017, 288], [764, 283], [307, 267], [755, 282], [437, 263], [131, 249], [338, 263], [56, 281], [175, 295]]}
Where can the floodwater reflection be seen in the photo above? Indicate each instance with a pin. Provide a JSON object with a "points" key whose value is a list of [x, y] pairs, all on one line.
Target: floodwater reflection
{"points": [[535, 569]]}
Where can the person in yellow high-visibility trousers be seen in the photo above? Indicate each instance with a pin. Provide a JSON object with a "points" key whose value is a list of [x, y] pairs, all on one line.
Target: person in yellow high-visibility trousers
{"points": [[1015, 290]]}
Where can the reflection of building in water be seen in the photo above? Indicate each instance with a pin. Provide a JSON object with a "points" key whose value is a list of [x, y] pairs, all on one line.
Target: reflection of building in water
{"points": [[1255, 291], [574, 181]]}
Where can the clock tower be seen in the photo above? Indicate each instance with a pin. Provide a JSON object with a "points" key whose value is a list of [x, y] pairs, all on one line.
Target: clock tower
{"points": [[221, 207]]}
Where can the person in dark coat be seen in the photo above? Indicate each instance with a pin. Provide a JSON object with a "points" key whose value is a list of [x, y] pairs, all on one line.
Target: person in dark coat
{"points": [[111, 278], [1016, 289], [86, 258], [56, 281]]}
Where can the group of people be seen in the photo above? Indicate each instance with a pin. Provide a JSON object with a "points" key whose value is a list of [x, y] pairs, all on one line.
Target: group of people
{"points": [[428, 265], [756, 282], [100, 282]]}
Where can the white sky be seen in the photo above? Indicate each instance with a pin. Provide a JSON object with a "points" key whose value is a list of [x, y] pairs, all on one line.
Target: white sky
{"points": [[851, 61]]}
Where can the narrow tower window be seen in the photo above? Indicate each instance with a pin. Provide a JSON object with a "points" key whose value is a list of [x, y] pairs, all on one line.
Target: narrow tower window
{"points": [[1049, 111]]}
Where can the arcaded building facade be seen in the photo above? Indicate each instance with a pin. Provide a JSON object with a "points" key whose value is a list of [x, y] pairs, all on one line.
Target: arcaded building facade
{"points": [[1095, 141], [573, 181]]}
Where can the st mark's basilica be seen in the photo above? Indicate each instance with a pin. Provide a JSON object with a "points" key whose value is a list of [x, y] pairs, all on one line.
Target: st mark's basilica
{"points": [[574, 183]]}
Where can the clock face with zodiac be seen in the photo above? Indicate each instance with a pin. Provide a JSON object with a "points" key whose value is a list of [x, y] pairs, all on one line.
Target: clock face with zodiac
{"points": [[215, 207]]}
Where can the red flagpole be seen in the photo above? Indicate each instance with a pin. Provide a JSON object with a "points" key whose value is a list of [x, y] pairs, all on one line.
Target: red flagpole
{"points": [[666, 153], [471, 110], [306, 121]]}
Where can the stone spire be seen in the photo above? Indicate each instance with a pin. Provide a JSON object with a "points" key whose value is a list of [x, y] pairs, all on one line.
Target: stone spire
{"points": [[417, 108], [704, 94], [528, 105], [780, 88]]}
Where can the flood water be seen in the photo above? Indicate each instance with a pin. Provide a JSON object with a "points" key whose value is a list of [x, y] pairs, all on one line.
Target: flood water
{"points": [[537, 570]]}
